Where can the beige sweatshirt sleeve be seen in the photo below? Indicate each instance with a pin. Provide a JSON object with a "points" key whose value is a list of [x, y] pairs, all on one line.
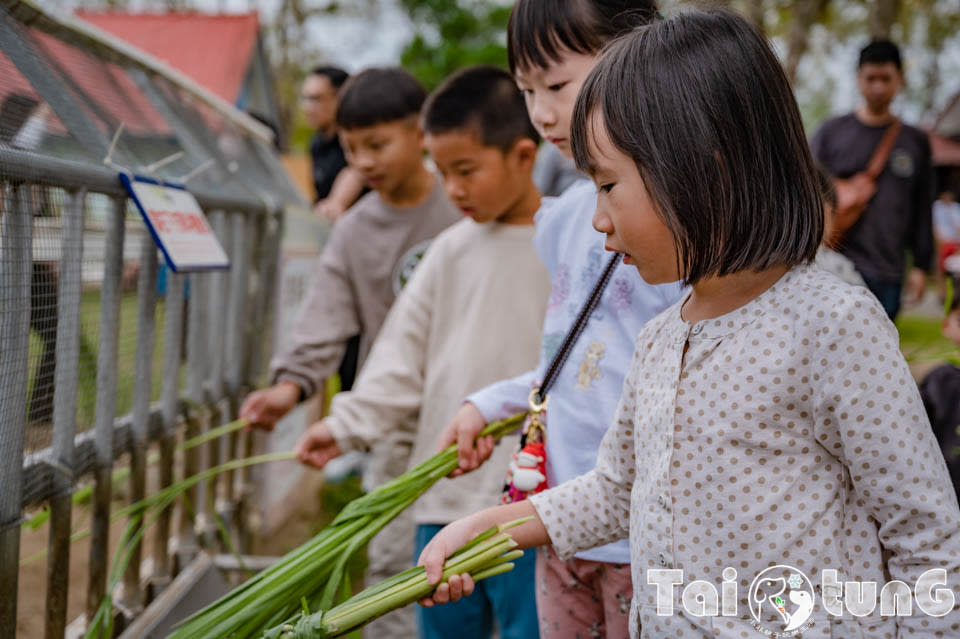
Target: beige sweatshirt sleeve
{"points": [[389, 391], [327, 318]]}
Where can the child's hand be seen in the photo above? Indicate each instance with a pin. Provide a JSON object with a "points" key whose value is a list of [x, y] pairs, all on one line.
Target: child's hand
{"points": [[450, 591], [264, 408], [444, 544], [454, 536], [463, 430], [329, 209], [317, 447]]}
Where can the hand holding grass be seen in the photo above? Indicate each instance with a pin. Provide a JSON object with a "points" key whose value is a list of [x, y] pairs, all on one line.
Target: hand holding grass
{"points": [[465, 532], [265, 407], [317, 447], [464, 431], [488, 554]]}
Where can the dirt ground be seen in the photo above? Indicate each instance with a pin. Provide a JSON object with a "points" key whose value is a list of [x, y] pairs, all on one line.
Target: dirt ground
{"points": [[32, 584]]}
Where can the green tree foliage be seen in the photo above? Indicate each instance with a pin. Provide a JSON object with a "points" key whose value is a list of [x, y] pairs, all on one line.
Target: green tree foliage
{"points": [[450, 35], [819, 33]]}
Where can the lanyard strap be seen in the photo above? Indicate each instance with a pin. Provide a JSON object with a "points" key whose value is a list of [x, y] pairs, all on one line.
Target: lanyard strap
{"points": [[538, 396]]}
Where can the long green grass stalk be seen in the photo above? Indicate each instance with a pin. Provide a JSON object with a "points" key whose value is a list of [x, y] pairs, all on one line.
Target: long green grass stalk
{"points": [[102, 623], [491, 554], [176, 489], [142, 515], [315, 570], [82, 495]]}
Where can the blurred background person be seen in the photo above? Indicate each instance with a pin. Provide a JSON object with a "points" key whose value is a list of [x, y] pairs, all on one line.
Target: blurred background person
{"points": [[946, 233], [337, 186], [896, 217]]}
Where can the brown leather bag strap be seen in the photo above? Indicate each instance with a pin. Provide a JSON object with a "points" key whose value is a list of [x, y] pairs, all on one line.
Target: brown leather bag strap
{"points": [[879, 158]]}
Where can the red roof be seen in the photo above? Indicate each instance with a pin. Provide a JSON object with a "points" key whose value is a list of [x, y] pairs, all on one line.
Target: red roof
{"points": [[213, 50], [115, 96]]}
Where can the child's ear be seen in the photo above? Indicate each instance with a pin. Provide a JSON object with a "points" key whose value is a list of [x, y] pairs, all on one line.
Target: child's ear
{"points": [[525, 152], [412, 123]]}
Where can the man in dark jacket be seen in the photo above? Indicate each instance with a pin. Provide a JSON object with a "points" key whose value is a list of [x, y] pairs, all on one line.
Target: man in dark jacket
{"points": [[897, 220], [336, 185]]}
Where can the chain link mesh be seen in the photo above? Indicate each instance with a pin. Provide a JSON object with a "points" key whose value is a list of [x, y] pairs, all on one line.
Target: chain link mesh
{"points": [[65, 101]]}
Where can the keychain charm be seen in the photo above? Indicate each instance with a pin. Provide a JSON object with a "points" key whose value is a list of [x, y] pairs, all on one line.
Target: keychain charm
{"points": [[527, 474]]}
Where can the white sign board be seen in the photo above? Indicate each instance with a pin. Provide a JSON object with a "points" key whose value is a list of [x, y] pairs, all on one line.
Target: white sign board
{"points": [[177, 224]]}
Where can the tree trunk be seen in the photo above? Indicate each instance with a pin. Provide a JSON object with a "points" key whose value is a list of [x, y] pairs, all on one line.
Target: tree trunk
{"points": [[883, 17], [805, 15]]}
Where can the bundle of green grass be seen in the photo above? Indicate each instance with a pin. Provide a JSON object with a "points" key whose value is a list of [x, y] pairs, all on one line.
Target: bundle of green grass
{"points": [[490, 554], [313, 575]]}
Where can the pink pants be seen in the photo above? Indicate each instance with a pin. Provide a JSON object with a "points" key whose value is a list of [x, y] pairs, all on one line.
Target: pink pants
{"points": [[580, 599]]}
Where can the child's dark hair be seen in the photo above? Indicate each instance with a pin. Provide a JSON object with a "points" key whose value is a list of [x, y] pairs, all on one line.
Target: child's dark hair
{"points": [[703, 107], [828, 188], [539, 30], [376, 96], [484, 100], [880, 52], [336, 75]]}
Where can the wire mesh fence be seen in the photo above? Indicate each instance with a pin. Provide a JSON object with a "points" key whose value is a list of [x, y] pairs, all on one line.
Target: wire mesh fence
{"points": [[103, 349]]}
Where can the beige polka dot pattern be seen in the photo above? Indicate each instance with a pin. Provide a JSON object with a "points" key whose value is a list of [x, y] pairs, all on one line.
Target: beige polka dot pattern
{"points": [[789, 432]]}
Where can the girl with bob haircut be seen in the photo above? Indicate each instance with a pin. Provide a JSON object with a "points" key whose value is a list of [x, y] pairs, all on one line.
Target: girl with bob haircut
{"points": [[769, 440], [552, 45]]}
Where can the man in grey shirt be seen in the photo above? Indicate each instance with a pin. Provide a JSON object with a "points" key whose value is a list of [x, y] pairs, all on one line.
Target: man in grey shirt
{"points": [[898, 218]]}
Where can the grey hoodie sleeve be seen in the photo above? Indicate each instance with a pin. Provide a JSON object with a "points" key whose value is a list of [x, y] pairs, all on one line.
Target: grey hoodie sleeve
{"points": [[326, 319]]}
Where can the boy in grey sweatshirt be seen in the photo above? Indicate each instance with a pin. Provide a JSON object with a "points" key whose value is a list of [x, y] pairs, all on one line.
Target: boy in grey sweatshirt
{"points": [[371, 253]]}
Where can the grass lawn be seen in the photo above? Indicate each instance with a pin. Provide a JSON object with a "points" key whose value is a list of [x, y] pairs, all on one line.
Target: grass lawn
{"points": [[922, 343], [38, 437]]}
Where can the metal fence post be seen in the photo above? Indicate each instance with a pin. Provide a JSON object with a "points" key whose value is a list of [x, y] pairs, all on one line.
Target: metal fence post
{"points": [[65, 414], [219, 311], [236, 328], [172, 344], [215, 380], [106, 403], [196, 367], [270, 235], [16, 227], [143, 383], [238, 277]]}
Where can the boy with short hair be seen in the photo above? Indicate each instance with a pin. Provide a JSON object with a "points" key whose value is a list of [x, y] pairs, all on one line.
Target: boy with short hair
{"points": [[371, 253], [471, 314], [369, 257]]}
